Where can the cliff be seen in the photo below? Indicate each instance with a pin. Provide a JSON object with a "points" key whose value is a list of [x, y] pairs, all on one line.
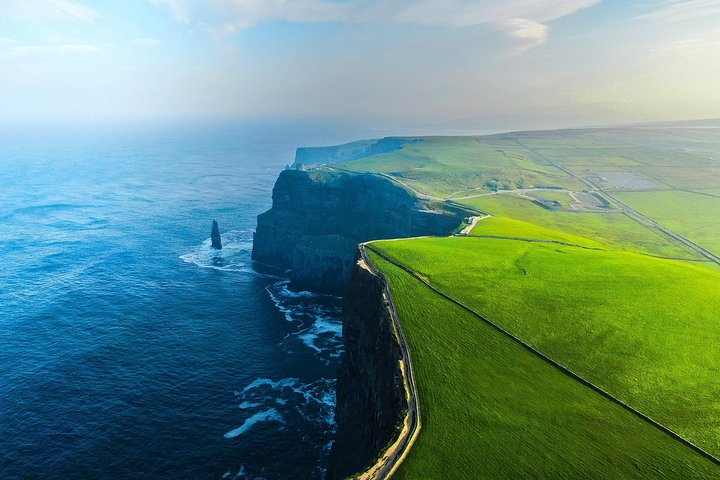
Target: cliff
{"points": [[319, 216], [370, 392], [349, 151]]}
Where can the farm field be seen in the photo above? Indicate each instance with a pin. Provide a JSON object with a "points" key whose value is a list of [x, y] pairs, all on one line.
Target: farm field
{"points": [[562, 266], [444, 166], [509, 227], [644, 329], [599, 314], [692, 215], [491, 409], [610, 229]]}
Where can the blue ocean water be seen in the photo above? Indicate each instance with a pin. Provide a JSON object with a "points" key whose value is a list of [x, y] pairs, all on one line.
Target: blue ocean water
{"points": [[128, 348]]}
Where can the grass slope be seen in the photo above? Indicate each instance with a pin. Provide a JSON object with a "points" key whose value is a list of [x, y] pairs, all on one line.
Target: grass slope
{"points": [[611, 229], [509, 227], [693, 215], [443, 166], [646, 330], [491, 409]]}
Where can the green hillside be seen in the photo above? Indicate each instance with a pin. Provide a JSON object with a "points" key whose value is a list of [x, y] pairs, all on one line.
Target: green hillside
{"points": [[564, 260], [491, 409]]}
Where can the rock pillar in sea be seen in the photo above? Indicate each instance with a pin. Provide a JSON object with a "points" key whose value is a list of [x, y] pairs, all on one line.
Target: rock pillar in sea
{"points": [[215, 236]]}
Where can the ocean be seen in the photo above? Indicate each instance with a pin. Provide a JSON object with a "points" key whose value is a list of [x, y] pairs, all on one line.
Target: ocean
{"points": [[128, 347]]}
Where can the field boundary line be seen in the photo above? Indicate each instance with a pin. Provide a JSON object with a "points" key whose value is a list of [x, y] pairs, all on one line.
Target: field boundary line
{"points": [[536, 240], [552, 362]]}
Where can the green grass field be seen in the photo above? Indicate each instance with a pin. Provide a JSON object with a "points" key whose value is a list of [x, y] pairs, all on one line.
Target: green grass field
{"points": [[692, 215], [444, 166], [509, 227], [491, 409], [610, 229], [627, 307], [647, 330]]}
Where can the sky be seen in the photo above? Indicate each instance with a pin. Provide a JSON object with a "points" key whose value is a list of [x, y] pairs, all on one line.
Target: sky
{"points": [[485, 64]]}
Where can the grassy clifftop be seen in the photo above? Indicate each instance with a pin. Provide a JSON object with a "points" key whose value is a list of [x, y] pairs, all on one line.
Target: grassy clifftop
{"points": [[491, 409], [592, 253]]}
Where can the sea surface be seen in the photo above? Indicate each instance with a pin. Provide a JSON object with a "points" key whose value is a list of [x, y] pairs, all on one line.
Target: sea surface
{"points": [[128, 347]]}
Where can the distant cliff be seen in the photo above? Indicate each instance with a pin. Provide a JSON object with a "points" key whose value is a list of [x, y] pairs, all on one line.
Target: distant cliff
{"points": [[319, 216], [349, 151]]}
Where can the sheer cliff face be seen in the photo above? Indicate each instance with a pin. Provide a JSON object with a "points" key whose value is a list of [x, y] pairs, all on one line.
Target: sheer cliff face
{"points": [[370, 392], [318, 217]]}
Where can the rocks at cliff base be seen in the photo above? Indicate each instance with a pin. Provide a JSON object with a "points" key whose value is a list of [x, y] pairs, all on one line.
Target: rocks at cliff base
{"points": [[215, 236]]}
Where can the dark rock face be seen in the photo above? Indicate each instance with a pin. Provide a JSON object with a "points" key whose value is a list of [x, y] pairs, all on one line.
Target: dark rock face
{"points": [[349, 151], [215, 236], [319, 216], [370, 392]]}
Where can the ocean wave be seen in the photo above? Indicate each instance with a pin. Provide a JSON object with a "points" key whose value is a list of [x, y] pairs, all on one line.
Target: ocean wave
{"points": [[234, 256], [317, 317], [313, 401], [240, 475], [324, 336], [269, 415]]}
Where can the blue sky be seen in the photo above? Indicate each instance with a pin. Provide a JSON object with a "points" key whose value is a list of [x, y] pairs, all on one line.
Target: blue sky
{"points": [[423, 63]]}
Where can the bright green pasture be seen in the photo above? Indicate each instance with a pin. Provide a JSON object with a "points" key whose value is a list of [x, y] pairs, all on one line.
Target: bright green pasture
{"points": [[491, 409], [692, 215], [612, 229], [645, 329], [444, 166], [509, 227]]}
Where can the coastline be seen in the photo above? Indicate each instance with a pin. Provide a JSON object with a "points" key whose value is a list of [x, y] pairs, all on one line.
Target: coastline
{"points": [[393, 456]]}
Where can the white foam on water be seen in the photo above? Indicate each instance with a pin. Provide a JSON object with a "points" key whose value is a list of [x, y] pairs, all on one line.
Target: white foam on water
{"points": [[275, 292], [247, 405], [234, 256], [324, 329], [269, 415], [314, 401], [317, 317], [258, 382], [241, 475]]}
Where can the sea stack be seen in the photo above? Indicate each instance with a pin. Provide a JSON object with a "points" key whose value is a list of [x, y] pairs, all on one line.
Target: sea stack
{"points": [[215, 236]]}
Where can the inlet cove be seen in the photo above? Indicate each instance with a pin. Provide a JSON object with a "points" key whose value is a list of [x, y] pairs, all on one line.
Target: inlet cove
{"points": [[537, 304]]}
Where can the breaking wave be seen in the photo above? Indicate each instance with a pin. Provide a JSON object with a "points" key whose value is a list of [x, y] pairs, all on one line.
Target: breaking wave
{"points": [[317, 318], [269, 415], [234, 256], [274, 400]]}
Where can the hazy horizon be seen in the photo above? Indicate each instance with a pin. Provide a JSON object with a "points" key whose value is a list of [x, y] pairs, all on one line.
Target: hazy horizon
{"points": [[407, 66]]}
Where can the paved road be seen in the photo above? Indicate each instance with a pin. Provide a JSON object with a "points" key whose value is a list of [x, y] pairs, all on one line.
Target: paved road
{"points": [[469, 228]]}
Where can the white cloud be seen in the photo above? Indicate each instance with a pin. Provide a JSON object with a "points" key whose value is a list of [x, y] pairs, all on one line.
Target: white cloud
{"points": [[47, 10], [465, 13], [529, 33], [7, 42], [524, 20], [146, 42], [678, 10], [15, 50], [180, 9]]}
